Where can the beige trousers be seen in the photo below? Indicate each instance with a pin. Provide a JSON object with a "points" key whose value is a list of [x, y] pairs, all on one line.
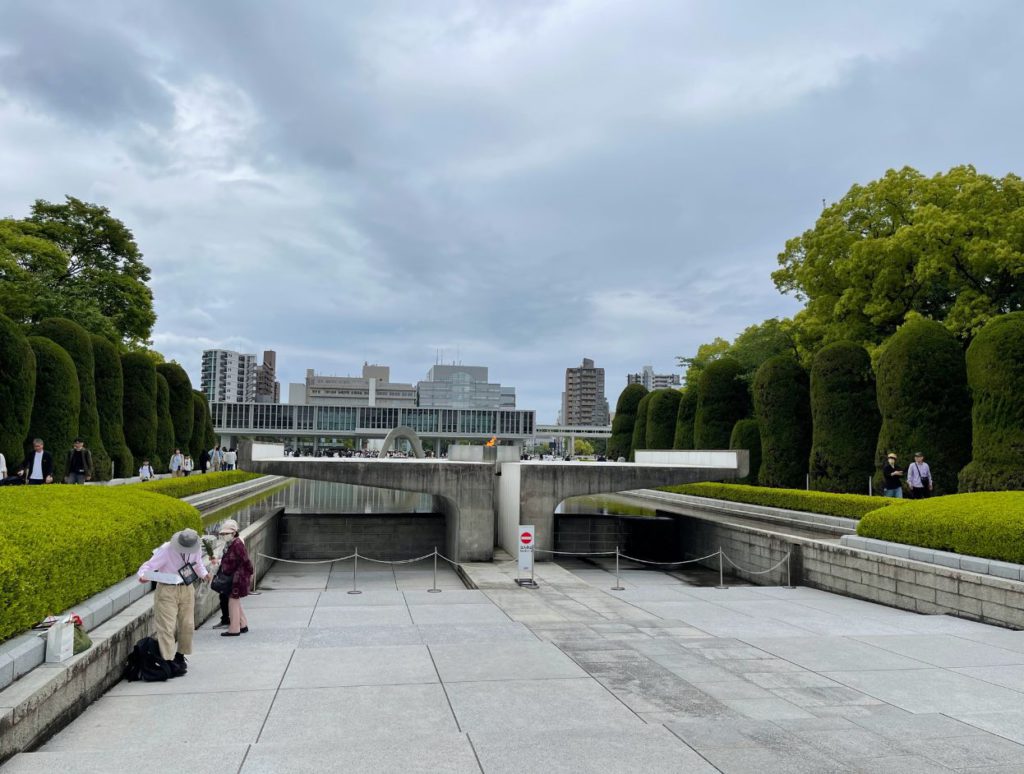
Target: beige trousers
{"points": [[174, 611]]}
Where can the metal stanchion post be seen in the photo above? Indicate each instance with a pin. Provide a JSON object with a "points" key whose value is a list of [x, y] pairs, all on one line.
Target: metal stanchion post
{"points": [[435, 589], [355, 569], [618, 584], [789, 577], [721, 569]]}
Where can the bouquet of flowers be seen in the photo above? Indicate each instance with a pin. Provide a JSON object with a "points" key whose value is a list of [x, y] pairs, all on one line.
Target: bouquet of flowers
{"points": [[82, 641]]}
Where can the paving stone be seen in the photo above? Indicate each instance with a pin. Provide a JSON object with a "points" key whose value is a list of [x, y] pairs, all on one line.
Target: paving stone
{"points": [[229, 758], [444, 753], [340, 667], [365, 634], [457, 614], [474, 661], [360, 615]]}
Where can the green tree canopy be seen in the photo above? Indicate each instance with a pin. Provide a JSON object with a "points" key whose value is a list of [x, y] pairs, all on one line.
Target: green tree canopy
{"points": [[110, 405], [621, 442], [140, 416], [75, 260], [77, 342], [995, 372], [17, 389], [180, 403], [924, 401], [722, 400], [201, 426], [845, 419], [640, 426], [949, 247], [755, 345], [683, 438], [782, 406], [57, 402], [662, 412]]}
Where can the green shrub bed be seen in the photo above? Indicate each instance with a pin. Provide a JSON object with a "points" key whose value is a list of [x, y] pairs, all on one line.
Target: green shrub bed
{"points": [[59, 545], [196, 483], [987, 524], [850, 506]]}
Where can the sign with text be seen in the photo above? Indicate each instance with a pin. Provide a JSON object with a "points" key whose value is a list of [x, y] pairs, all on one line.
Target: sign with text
{"points": [[526, 541]]}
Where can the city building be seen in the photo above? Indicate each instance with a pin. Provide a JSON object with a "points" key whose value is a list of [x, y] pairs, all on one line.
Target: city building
{"points": [[228, 377], [268, 389], [584, 402], [373, 388], [653, 381], [463, 387]]}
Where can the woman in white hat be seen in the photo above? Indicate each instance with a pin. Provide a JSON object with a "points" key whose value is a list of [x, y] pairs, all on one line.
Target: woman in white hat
{"points": [[179, 565]]}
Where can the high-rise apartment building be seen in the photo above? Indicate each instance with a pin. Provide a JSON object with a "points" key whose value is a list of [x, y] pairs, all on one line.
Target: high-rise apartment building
{"points": [[463, 387], [584, 402], [653, 381], [229, 377], [268, 389]]}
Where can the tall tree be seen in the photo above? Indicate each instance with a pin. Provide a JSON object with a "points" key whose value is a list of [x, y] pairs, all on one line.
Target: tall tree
{"points": [[924, 401], [84, 265], [76, 342], [110, 405], [640, 427], [747, 435], [140, 415], [164, 426], [782, 406], [180, 403], [949, 247], [57, 402], [683, 438], [722, 400], [662, 412], [17, 389], [995, 371], [621, 442]]}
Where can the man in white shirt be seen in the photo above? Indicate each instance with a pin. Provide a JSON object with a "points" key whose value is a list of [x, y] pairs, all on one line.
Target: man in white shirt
{"points": [[230, 458], [38, 465]]}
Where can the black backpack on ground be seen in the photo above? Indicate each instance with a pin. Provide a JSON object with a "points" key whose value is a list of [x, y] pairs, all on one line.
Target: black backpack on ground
{"points": [[146, 663]]}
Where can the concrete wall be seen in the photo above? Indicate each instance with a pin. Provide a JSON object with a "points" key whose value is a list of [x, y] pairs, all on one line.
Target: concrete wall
{"points": [[700, 458], [380, 537]]}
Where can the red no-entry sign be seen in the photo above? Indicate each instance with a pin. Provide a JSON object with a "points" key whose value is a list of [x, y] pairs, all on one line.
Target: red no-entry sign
{"points": [[526, 538], [526, 533]]}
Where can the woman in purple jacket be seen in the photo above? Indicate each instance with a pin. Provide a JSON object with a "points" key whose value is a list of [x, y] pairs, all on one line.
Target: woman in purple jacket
{"points": [[235, 563]]}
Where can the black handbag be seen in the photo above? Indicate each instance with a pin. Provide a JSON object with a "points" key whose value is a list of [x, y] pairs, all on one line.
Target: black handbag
{"points": [[222, 582]]}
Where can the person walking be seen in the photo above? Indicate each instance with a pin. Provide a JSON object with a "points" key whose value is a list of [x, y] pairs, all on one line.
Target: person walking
{"points": [[78, 463], [919, 476], [186, 466], [216, 457], [204, 461], [892, 477], [38, 465], [236, 564], [174, 603], [3, 466], [146, 471], [176, 464], [230, 457]]}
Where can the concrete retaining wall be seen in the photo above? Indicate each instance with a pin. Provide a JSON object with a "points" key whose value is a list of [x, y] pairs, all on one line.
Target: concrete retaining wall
{"points": [[392, 537], [49, 697]]}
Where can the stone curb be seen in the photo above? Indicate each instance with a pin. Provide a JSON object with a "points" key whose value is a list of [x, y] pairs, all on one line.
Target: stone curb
{"points": [[975, 564]]}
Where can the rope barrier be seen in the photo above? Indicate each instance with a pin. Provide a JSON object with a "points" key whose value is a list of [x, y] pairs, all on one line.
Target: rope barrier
{"points": [[757, 572], [574, 553], [670, 564], [307, 561]]}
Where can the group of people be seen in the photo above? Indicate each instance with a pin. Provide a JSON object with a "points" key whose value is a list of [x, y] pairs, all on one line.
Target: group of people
{"points": [[918, 477], [37, 468], [175, 567]]}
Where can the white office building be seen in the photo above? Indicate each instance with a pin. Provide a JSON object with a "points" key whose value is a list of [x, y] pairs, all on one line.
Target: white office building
{"points": [[228, 377], [653, 381]]}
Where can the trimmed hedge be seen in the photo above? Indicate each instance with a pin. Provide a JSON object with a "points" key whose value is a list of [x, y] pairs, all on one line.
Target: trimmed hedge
{"points": [[662, 412], [782, 406], [140, 407], [722, 400], [164, 426], [987, 524], [196, 483], [640, 426], [110, 405], [180, 403], [202, 426], [683, 438], [925, 405], [747, 435], [621, 442], [995, 371], [77, 342], [56, 405], [62, 544], [850, 506], [17, 389], [845, 418]]}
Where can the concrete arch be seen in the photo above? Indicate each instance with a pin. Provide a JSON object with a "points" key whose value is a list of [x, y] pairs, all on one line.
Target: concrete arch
{"points": [[408, 434]]}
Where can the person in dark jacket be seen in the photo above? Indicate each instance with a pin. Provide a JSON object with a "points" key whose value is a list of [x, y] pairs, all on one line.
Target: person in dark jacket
{"points": [[78, 463], [38, 465], [204, 460], [235, 563]]}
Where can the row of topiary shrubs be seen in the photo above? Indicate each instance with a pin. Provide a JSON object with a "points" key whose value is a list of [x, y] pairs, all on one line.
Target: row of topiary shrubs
{"points": [[61, 545], [60, 382], [834, 425], [850, 506], [194, 484]]}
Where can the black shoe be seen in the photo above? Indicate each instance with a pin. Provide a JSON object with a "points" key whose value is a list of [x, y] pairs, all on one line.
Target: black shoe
{"points": [[180, 662], [177, 670], [222, 625], [230, 634], [243, 630]]}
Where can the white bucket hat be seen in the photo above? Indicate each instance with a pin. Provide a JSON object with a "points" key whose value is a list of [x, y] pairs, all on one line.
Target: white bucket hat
{"points": [[185, 542]]}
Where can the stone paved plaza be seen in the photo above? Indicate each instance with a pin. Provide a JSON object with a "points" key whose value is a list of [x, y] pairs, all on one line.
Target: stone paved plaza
{"points": [[572, 677]]}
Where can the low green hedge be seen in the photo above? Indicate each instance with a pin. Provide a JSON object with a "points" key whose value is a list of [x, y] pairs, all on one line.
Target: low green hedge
{"points": [[988, 524], [850, 506], [196, 483], [60, 545]]}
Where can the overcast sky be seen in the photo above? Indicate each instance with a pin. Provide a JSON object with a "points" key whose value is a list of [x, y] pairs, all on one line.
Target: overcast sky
{"points": [[516, 184]]}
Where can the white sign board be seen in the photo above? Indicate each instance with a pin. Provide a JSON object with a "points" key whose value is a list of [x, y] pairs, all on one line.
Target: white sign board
{"points": [[527, 538]]}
